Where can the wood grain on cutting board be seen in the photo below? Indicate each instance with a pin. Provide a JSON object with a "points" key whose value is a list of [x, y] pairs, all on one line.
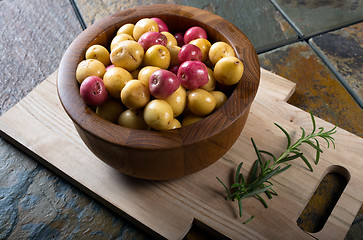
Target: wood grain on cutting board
{"points": [[167, 209]]}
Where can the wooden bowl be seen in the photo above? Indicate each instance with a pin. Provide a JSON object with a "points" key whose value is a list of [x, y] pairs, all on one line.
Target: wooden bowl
{"points": [[160, 155]]}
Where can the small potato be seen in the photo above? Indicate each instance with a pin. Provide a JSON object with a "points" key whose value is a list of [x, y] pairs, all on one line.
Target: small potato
{"points": [[211, 85], [219, 50], [174, 124], [204, 45], [158, 114], [144, 25], [145, 73], [119, 38], [174, 51], [158, 56], [135, 95], [220, 97], [177, 101], [99, 53], [228, 70], [110, 110], [89, 67], [201, 102], [127, 28], [127, 54], [132, 119], [190, 119], [135, 73], [115, 80], [171, 39]]}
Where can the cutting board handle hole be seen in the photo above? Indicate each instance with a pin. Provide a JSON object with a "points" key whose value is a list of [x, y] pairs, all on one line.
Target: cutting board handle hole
{"points": [[316, 213]]}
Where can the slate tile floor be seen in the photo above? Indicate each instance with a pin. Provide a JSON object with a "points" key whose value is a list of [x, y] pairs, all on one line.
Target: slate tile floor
{"points": [[318, 44]]}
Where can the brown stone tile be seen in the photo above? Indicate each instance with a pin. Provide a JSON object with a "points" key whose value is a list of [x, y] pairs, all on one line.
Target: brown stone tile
{"points": [[317, 87], [344, 51], [259, 19]]}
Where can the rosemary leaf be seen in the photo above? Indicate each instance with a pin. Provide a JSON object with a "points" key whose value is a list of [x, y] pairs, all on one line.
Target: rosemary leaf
{"points": [[238, 171], [287, 135], [249, 220], [283, 169]]}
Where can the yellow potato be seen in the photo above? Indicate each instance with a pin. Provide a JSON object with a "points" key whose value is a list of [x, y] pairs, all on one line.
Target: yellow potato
{"points": [[177, 101], [174, 124], [158, 56], [145, 73], [110, 110], [135, 95], [127, 28], [171, 39], [89, 67], [220, 50], [144, 25], [201, 102], [132, 119], [204, 45], [127, 54], [190, 119], [220, 97], [158, 114], [119, 38], [211, 85], [135, 73], [174, 51], [99, 53], [228, 70], [115, 80]]}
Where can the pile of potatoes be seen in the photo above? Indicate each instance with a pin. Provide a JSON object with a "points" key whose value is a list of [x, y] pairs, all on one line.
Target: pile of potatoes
{"points": [[119, 80]]}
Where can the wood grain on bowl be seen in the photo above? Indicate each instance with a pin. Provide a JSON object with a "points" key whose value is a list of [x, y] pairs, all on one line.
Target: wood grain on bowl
{"points": [[161, 154]]}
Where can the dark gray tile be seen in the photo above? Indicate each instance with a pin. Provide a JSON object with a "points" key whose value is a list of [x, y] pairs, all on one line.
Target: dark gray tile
{"points": [[312, 16], [34, 37]]}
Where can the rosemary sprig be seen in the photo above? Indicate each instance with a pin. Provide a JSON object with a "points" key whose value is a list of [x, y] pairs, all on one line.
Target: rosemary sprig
{"points": [[262, 171]]}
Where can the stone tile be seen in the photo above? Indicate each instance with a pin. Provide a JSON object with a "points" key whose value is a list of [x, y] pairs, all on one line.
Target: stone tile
{"points": [[317, 87], [312, 17], [258, 19], [34, 37], [51, 208], [343, 49]]}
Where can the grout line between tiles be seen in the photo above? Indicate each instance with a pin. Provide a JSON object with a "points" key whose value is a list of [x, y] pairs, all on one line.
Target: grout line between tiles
{"points": [[336, 73], [273, 47], [78, 14], [312, 35], [292, 24]]}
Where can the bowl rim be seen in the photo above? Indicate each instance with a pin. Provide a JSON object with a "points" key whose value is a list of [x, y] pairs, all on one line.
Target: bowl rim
{"points": [[85, 118]]}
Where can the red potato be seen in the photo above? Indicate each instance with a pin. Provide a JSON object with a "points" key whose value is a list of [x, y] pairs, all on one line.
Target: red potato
{"points": [[149, 39], [93, 91], [179, 38], [174, 69], [163, 83], [190, 52], [194, 33], [162, 25], [193, 74], [109, 67]]}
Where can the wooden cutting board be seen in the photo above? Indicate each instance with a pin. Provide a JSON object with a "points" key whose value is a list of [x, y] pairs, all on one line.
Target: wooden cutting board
{"points": [[167, 209]]}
